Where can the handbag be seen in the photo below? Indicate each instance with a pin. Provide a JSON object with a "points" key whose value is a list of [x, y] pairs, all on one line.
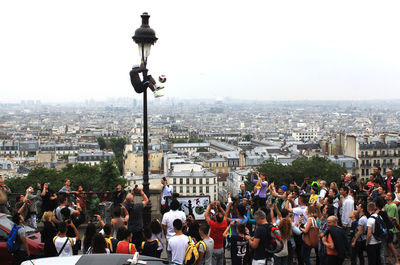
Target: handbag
{"points": [[311, 238]]}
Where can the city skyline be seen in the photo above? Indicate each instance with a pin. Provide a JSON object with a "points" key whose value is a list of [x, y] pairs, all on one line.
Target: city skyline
{"points": [[262, 51]]}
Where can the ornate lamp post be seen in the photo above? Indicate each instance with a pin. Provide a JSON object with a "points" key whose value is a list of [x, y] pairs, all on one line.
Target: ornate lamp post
{"points": [[144, 37]]}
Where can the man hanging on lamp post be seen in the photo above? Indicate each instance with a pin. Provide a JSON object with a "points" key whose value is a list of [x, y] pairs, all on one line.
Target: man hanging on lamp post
{"points": [[144, 37]]}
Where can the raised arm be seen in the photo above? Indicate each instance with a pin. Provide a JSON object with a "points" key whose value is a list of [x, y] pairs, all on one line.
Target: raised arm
{"points": [[252, 178], [144, 197], [225, 234], [207, 213]]}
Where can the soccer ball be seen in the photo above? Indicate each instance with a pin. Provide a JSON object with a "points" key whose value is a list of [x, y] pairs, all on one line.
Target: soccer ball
{"points": [[162, 78]]}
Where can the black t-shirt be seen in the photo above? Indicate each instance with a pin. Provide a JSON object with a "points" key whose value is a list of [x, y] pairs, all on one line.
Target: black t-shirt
{"points": [[47, 203], [150, 248], [261, 233], [135, 222], [239, 250]]}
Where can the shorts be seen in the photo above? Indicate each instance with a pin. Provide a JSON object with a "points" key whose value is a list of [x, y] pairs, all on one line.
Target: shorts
{"points": [[390, 237]]}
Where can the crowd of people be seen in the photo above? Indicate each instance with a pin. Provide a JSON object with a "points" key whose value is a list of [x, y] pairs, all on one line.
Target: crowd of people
{"points": [[269, 224]]}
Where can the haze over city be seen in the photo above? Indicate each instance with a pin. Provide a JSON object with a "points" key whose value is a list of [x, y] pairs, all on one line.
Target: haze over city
{"points": [[264, 50]]}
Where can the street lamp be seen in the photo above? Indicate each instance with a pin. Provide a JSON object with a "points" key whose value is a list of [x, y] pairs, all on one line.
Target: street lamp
{"points": [[144, 37]]}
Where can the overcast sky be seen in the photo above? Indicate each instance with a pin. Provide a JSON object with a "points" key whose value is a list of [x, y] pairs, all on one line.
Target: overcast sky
{"points": [[73, 50]]}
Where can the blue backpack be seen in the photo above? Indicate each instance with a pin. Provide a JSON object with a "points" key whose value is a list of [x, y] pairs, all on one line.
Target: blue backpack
{"points": [[13, 242]]}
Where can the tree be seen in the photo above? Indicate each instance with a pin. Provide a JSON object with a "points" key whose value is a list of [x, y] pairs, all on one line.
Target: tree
{"points": [[201, 149], [102, 177], [102, 143], [109, 175], [248, 137], [315, 167]]}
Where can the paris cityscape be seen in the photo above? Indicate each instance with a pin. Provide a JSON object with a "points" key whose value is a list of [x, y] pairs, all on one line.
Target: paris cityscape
{"points": [[199, 133]]}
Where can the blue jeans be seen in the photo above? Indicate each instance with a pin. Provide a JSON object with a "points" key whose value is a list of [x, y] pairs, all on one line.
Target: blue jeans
{"points": [[280, 260]]}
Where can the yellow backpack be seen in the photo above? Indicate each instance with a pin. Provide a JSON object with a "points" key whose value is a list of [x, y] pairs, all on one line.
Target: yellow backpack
{"points": [[192, 252]]}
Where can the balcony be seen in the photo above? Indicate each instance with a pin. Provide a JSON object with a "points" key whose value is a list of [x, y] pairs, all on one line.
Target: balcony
{"points": [[365, 165]]}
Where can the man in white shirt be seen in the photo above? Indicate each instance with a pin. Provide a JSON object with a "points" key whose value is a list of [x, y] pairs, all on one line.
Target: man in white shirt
{"points": [[373, 245], [168, 220], [167, 192], [63, 243], [322, 192], [347, 208], [178, 244]]}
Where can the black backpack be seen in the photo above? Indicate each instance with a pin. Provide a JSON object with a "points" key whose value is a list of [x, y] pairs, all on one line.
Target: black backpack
{"points": [[381, 232]]}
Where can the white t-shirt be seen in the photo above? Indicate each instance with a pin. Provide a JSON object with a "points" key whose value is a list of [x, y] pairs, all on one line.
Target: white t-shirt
{"points": [[300, 210], [321, 195], [168, 220], [363, 221], [167, 191], [57, 212], [178, 245], [371, 223], [59, 243]]}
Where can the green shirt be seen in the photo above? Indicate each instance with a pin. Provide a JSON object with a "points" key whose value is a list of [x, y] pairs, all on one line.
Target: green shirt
{"points": [[391, 210]]}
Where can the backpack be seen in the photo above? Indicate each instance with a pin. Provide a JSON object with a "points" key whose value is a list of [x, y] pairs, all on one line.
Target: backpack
{"points": [[274, 239], [111, 243], [13, 241], [380, 233], [192, 252]]}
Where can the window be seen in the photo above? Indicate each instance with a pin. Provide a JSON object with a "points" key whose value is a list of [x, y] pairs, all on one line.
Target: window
{"points": [[201, 181], [174, 180], [207, 189], [383, 153], [207, 181], [181, 181], [181, 189], [194, 189], [367, 172], [215, 188], [201, 189], [194, 180], [362, 172], [187, 180], [187, 189]]}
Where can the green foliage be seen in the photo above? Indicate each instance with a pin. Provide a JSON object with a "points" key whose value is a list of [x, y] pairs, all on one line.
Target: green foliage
{"points": [[102, 143], [92, 178], [315, 167], [191, 140], [117, 145], [248, 137], [202, 149]]}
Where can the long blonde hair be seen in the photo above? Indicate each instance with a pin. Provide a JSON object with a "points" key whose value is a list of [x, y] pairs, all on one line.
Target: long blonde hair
{"points": [[47, 216]]}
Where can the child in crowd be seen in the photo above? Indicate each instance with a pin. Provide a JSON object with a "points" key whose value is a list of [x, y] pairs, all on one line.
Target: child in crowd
{"points": [[150, 246]]}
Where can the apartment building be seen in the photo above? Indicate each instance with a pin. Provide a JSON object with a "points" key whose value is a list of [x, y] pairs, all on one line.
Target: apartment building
{"points": [[194, 183], [384, 155]]}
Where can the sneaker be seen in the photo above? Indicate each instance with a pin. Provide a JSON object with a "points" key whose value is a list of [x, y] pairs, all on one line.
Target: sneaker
{"points": [[157, 94], [158, 87]]}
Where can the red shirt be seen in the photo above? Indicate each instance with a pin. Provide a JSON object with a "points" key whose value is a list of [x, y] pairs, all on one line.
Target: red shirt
{"points": [[124, 247], [389, 187], [216, 231]]}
